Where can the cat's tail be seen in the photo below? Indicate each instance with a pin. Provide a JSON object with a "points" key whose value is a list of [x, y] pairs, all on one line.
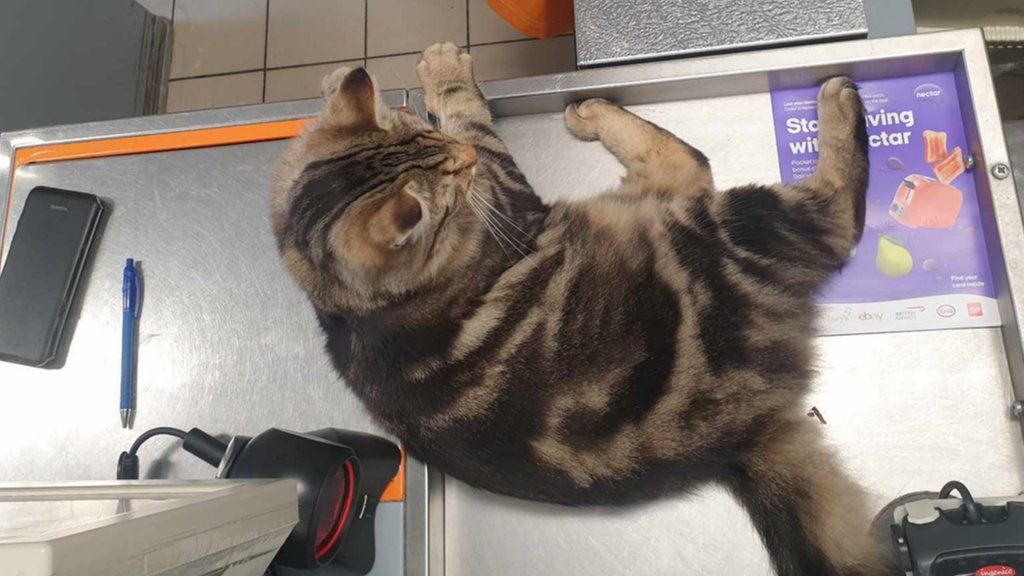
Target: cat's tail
{"points": [[812, 518]]}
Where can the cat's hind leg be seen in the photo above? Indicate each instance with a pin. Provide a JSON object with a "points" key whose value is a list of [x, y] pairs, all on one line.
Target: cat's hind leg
{"points": [[841, 177], [654, 158], [804, 232]]}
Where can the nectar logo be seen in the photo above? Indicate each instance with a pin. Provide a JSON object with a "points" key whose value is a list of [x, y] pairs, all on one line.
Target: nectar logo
{"points": [[929, 93]]}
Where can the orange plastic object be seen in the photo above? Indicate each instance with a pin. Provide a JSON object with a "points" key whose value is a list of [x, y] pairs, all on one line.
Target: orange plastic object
{"points": [[921, 202], [395, 491], [951, 167], [537, 18], [934, 146]]}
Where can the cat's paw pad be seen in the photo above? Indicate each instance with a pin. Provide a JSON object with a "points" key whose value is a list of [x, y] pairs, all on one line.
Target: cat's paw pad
{"points": [[583, 119], [332, 82], [444, 63], [839, 101]]}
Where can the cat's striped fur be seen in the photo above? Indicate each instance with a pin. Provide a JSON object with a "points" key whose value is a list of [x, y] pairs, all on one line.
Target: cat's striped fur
{"points": [[594, 352]]}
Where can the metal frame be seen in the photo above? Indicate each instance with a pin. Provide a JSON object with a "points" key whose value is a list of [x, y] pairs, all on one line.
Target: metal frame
{"points": [[743, 73]]}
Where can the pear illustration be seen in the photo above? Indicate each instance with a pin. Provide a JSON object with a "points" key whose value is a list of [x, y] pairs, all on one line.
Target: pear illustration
{"points": [[893, 259]]}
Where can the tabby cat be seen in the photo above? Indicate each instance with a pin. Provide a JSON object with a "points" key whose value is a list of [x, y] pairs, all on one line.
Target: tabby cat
{"points": [[601, 351]]}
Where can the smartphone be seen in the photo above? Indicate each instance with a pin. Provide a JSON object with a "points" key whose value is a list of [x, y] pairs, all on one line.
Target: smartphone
{"points": [[41, 273]]}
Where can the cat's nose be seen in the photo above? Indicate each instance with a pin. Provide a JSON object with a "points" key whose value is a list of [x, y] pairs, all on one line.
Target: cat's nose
{"points": [[464, 155]]}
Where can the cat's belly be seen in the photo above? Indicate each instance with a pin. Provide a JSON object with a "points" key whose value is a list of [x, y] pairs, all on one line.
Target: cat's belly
{"points": [[592, 374], [554, 441]]}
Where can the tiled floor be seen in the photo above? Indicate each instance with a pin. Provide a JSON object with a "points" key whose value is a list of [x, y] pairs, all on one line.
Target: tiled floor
{"points": [[234, 52]]}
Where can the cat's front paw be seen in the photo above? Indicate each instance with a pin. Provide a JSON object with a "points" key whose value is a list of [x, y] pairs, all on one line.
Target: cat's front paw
{"points": [[839, 104], [585, 119], [442, 66]]}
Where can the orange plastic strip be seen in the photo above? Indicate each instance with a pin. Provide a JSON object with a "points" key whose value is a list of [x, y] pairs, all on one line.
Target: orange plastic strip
{"points": [[183, 140], [124, 145], [159, 142]]}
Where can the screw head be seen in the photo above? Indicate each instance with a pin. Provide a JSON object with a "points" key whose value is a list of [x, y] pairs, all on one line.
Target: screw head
{"points": [[1017, 408], [1001, 171]]}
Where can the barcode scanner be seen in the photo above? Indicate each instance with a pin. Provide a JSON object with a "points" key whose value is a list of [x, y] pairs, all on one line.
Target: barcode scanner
{"points": [[936, 534], [341, 476], [379, 460]]}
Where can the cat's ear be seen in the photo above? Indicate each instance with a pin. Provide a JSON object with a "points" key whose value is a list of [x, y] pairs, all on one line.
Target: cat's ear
{"points": [[378, 228], [394, 220], [350, 99]]}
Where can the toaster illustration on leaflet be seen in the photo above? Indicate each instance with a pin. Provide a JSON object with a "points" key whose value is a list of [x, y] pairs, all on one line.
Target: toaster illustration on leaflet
{"points": [[922, 202]]}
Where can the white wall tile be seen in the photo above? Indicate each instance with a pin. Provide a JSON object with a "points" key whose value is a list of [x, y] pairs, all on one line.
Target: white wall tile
{"points": [[398, 26], [486, 26], [393, 72], [311, 31], [218, 36], [215, 92], [526, 58], [302, 82]]}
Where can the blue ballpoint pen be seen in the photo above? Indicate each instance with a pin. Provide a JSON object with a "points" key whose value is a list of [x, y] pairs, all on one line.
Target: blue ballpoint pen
{"points": [[129, 319]]}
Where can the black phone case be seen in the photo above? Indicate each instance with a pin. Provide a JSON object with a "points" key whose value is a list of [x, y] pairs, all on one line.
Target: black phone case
{"points": [[41, 272]]}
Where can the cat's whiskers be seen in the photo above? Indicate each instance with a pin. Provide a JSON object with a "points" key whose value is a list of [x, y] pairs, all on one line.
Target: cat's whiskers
{"points": [[401, 82], [519, 246], [496, 231], [482, 216], [523, 247], [502, 215], [493, 225], [420, 113], [487, 214]]}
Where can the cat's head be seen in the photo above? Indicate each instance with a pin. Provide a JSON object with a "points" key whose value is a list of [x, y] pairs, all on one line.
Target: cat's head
{"points": [[366, 204]]}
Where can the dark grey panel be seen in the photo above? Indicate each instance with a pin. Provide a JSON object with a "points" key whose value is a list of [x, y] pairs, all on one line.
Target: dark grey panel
{"points": [[65, 62], [614, 31]]}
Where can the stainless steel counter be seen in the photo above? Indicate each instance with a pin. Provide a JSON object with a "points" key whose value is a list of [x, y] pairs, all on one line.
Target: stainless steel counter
{"points": [[229, 345], [1015, 143]]}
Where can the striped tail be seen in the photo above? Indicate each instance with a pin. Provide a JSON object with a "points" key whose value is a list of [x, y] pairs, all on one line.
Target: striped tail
{"points": [[811, 517]]}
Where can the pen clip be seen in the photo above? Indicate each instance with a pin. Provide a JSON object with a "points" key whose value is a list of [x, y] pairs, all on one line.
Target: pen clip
{"points": [[138, 293]]}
